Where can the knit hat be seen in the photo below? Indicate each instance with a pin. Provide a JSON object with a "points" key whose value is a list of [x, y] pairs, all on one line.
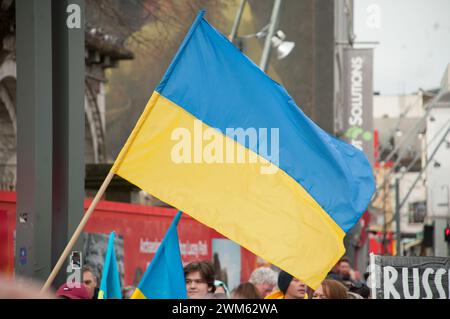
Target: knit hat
{"points": [[284, 280]]}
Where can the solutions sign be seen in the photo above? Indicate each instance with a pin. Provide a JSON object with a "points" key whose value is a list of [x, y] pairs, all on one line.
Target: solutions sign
{"points": [[358, 100]]}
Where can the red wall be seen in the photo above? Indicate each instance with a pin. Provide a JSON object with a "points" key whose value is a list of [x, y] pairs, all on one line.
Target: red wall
{"points": [[140, 226], [7, 227]]}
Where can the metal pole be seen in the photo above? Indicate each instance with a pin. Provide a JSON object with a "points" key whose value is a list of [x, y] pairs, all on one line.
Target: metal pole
{"points": [[68, 124], [268, 44], [397, 215], [448, 200], [420, 173], [418, 155], [77, 232], [410, 165], [34, 138], [237, 21], [396, 127], [414, 129]]}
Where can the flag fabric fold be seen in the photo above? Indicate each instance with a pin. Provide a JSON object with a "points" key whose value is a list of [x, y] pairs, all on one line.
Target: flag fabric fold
{"points": [[298, 190], [110, 283], [164, 277]]}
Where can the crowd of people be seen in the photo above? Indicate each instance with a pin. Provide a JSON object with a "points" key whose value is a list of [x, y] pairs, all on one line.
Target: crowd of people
{"points": [[265, 283], [342, 282]]}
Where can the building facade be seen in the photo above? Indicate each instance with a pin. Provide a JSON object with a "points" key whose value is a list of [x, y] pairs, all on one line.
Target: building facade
{"points": [[102, 51]]}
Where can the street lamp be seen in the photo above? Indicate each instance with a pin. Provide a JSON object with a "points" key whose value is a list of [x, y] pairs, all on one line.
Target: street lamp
{"points": [[273, 39], [283, 48]]}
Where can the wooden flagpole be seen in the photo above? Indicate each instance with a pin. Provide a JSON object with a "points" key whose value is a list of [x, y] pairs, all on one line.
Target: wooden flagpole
{"points": [[100, 193], [108, 179], [77, 232]]}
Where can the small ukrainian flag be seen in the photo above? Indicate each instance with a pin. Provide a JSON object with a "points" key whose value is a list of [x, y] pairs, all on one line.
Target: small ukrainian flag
{"points": [[164, 277], [110, 283]]}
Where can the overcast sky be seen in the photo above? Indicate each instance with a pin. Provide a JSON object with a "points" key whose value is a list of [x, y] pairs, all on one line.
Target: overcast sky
{"points": [[414, 36]]}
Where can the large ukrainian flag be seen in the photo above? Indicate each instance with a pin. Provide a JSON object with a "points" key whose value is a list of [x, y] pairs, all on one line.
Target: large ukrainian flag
{"points": [[296, 217]]}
